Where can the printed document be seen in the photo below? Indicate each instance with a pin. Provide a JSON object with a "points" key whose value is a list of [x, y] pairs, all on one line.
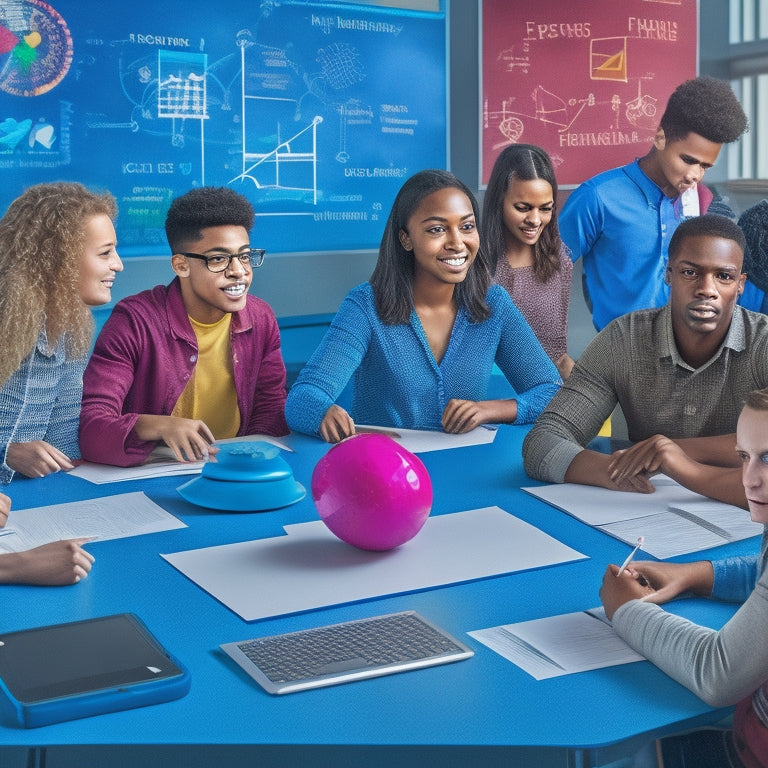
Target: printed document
{"points": [[110, 517], [672, 520], [559, 645]]}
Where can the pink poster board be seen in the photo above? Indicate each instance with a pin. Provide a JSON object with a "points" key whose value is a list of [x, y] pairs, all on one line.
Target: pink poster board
{"points": [[587, 80]]}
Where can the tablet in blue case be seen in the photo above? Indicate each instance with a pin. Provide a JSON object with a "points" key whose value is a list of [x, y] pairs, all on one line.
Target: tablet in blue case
{"points": [[67, 671]]}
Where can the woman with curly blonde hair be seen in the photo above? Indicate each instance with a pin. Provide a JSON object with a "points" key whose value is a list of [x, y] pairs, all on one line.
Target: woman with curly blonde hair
{"points": [[57, 258]]}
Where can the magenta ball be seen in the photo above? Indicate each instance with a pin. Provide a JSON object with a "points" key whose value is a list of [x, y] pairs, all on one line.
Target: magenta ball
{"points": [[371, 492]]}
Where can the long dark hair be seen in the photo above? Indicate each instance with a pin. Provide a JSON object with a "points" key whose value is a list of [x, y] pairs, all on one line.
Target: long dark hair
{"points": [[392, 278], [525, 162]]}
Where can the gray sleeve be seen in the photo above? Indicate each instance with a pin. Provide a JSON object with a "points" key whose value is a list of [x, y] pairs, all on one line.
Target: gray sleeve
{"points": [[721, 667], [575, 414]]}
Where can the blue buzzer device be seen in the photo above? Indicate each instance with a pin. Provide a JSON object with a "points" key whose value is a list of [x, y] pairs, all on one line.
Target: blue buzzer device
{"points": [[249, 476]]}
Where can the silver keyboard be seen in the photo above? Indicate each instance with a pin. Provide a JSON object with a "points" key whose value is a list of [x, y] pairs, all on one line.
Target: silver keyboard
{"points": [[340, 653]]}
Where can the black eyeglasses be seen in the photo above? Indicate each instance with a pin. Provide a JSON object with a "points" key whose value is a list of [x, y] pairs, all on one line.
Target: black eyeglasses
{"points": [[220, 262]]}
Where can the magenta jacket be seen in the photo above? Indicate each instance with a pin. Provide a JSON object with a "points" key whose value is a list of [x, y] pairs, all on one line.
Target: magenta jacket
{"points": [[144, 357]]}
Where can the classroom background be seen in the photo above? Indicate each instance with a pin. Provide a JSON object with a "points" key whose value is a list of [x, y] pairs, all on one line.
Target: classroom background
{"points": [[306, 287], [441, 97]]}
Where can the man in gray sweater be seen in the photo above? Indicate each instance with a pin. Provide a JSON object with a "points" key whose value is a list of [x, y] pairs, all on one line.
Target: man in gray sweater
{"points": [[680, 374]]}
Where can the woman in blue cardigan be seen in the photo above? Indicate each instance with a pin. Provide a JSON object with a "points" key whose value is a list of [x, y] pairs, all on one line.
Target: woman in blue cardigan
{"points": [[421, 338]]}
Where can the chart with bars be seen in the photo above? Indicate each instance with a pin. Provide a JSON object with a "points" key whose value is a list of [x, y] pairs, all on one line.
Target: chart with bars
{"points": [[181, 89]]}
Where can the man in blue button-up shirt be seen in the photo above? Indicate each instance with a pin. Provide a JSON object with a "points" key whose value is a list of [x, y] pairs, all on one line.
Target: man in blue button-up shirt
{"points": [[621, 221]]}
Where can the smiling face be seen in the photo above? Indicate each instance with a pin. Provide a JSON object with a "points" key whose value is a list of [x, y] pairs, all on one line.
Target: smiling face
{"points": [[208, 296], [705, 280], [679, 165], [99, 262], [528, 207], [442, 234], [752, 449]]}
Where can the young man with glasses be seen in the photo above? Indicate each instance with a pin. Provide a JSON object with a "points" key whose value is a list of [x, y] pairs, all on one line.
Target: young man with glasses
{"points": [[194, 361]]}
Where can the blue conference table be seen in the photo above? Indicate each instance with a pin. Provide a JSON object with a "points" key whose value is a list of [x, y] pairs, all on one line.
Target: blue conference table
{"points": [[483, 711]]}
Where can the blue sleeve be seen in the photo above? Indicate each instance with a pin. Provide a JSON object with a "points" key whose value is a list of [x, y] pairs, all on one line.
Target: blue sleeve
{"points": [[752, 298], [65, 414], [581, 220], [330, 368], [523, 361], [11, 410], [735, 578]]}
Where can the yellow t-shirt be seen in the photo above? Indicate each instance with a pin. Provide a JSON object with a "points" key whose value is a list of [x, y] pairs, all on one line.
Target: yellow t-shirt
{"points": [[210, 394]]}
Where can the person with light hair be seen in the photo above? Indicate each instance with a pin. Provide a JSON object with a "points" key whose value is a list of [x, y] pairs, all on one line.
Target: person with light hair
{"points": [[723, 667], [58, 259]]}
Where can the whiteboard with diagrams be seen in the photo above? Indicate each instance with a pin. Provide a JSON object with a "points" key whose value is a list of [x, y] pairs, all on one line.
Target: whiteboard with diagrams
{"points": [[316, 111]]}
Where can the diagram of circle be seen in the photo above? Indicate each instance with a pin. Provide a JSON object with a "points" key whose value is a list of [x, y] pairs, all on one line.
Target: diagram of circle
{"points": [[35, 48], [511, 128]]}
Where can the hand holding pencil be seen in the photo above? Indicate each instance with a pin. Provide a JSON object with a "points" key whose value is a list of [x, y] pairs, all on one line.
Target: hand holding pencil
{"points": [[640, 541], [622, 584]]}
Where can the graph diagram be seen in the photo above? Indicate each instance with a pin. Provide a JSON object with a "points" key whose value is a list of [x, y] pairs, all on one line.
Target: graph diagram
{"points": [[182, 95]]}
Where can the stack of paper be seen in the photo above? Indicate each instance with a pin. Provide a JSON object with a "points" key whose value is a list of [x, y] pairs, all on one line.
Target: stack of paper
{"points": [[672, 520]]}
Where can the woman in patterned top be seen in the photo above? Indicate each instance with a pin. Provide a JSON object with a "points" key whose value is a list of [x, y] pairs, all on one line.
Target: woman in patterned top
{"points": [[521, 238], [58, 258]]}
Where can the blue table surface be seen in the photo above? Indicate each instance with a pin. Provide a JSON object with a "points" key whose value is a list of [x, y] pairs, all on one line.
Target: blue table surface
{"points": [[485, 700]]}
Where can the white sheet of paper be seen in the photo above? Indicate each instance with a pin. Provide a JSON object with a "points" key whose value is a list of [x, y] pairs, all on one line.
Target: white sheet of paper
{"points": [[672, 519], [161, 463], [109, 517], [559, 645], [665, 534], [310, 568], [598, 506], [425, 440], [678, 531], [105, 473]]}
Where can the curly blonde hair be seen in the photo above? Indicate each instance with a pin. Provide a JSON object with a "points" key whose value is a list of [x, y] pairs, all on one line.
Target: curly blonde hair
{"points": [[42, 240]]}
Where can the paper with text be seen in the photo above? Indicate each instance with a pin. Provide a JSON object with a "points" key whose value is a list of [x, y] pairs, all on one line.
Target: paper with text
{"points": [[559, 645], [109, 517], [672, 520]]}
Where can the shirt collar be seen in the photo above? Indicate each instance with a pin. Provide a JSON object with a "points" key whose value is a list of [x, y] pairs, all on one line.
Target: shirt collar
{"points": [[178, 319], [45, 349], [645, 184], [735, 339]]}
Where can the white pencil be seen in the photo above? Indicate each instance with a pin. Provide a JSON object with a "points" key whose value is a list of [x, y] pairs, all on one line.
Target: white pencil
{"points": [[640, 540]]}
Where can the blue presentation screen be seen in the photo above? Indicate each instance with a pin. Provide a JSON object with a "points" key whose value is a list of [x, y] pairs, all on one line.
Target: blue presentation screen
{"points": [[317, 112]]}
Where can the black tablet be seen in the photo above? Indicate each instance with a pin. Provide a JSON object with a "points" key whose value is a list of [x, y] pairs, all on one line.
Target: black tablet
{"points": [[65, 671]]}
